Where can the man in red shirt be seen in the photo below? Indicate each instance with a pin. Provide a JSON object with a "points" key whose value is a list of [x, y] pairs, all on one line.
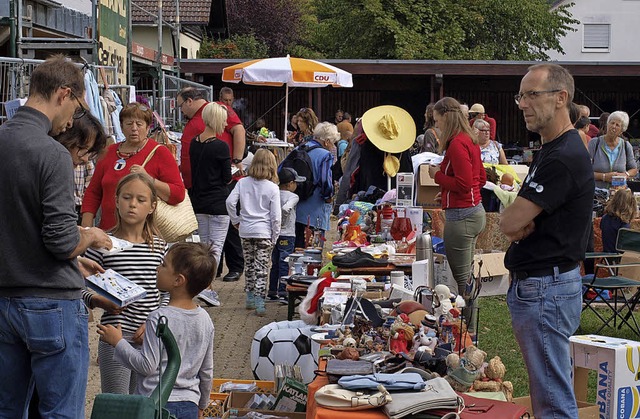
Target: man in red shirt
{"points": [[191, 102], [477, 112], [593, 130]]}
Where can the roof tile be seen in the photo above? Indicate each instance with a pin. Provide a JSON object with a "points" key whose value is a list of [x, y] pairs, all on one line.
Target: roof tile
{"points": [[191, 11]]}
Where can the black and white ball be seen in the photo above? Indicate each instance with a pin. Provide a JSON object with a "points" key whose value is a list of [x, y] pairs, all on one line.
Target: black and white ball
{"points": [[286, 343]]}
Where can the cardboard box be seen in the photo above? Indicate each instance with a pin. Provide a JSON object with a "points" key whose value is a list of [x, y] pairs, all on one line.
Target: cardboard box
{"points": [[521, 170], [494, 276], [617, 365], [404, 188], [427, 188], [585, 410]]}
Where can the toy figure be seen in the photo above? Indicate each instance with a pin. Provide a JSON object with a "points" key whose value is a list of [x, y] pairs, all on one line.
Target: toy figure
{"points": [[492, 379], [401, 334], [462, 372], [423, 342]]}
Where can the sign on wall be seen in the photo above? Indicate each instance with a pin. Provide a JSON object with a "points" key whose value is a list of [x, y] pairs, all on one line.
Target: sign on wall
{"points": [[112, 35]]}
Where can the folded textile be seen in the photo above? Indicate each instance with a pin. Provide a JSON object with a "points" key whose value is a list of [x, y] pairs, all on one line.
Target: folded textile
{"points": [[437, 394], [337, 368], [392, 382]]}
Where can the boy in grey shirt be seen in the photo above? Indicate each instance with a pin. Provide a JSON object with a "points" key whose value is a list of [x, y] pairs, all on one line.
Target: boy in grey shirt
{"points": [[188, 268]]}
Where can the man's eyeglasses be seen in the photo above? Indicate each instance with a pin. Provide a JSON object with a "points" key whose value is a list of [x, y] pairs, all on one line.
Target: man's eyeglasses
{"points": [[180, 104], [79, 113], [532, 94], [86, 152]]}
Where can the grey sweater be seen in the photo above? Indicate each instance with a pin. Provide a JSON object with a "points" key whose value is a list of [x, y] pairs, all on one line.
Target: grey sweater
{"points": [[39, 223], [193, 330], [601, 163]]}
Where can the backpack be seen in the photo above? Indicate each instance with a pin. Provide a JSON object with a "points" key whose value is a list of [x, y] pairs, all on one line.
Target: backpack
{"points": [[300, 161]]}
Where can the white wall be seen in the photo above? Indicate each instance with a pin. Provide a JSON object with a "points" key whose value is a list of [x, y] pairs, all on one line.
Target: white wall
{"points": [[623, 16], [148, 36]]}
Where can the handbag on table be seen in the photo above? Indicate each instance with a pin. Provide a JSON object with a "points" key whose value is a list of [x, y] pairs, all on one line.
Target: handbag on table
{"points": [[332, 396], [406, 381], [175, 222], [338, 368], [437, 394]]}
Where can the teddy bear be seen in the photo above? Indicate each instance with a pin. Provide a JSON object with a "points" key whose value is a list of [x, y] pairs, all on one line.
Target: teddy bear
{"points": [[463, 371], [492, 379], [401, 334]]}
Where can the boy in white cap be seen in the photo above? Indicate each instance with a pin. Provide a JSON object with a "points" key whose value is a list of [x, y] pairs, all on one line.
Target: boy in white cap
{"points": [[477, 112], [285, 245]]}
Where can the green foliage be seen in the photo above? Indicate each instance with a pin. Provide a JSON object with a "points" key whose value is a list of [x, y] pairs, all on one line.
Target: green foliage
{"points": [[439, 29], [237, 46]]}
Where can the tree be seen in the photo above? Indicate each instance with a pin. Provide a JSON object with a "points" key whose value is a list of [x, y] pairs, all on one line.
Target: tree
{"points": [[440, 29], [275, 23], [237, 46]]}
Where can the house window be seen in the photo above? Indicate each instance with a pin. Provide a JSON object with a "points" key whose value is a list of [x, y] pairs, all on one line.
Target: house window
{"points": [[597, 37], [184, 53]]}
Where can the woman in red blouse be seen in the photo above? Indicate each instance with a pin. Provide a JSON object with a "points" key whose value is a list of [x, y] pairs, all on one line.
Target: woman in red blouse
{"points": [[461, 175], [128, 157]]}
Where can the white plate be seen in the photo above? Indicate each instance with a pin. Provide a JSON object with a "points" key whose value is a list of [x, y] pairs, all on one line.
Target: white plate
{"points": [[325, 328]]}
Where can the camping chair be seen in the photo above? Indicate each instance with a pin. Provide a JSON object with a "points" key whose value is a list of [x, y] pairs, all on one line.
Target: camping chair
{"points": [[621, 307], [130, 406]]}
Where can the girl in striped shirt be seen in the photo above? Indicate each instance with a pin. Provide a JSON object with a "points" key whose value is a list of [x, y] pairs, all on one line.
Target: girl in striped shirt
{"points": [[135, 202]]}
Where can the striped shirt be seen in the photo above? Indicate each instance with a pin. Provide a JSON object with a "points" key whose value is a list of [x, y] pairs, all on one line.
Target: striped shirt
{"points": [[138, 264]]}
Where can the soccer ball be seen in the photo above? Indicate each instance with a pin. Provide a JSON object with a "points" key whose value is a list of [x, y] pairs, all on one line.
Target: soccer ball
{"points": [[287, 343]]}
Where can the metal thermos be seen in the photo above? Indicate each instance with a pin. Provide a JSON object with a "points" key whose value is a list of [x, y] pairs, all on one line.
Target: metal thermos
{"points": [[424, 251]]}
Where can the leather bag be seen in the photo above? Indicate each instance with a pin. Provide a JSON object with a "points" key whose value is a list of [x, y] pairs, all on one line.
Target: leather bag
{"points": [[338, 368], [175, 222], [479, 408], [332, 396]]}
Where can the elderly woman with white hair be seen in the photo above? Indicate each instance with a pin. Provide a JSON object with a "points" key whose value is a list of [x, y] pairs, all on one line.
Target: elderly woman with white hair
{"points": [[316, 208], [611, 154], [490, 150]]}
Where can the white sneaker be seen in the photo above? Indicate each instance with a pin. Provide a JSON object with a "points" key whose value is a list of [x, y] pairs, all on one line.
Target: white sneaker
{"points": [[210, 297]]}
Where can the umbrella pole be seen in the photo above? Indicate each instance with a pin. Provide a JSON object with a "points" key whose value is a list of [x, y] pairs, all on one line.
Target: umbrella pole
{"points": [[388, 182], [286, 111]]}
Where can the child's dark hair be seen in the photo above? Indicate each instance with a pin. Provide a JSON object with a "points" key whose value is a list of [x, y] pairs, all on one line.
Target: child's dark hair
{"points": [[196, 262]]}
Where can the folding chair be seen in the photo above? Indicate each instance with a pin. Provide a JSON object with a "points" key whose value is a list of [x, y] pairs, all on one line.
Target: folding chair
{"points": [[620, 306]]}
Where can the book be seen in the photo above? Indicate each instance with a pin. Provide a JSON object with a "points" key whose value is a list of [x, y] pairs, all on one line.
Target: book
{"points": [[115, 287]]}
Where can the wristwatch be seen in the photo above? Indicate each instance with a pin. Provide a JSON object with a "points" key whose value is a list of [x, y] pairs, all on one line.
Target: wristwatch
{"points": [[236, 161]]}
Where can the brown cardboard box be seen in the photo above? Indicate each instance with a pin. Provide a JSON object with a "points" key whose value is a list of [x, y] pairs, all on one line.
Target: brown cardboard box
{"points": [[427, 189], [585, 410]]}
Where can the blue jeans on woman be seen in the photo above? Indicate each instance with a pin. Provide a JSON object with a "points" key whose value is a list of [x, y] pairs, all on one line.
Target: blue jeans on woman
{"points": [[545, 311], [47, 340]]}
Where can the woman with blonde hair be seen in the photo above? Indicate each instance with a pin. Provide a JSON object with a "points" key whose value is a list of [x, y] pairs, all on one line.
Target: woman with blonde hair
{"points": [[210, 176], [258, 224], [461, 175]]}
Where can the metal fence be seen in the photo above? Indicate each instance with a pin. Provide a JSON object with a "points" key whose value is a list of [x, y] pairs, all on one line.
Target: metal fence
{"points": [[15, 74], [165, 105]]}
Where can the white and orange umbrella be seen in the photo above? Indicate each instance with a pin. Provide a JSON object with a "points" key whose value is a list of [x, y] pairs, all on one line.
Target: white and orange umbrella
{"points": [[288, 71]]}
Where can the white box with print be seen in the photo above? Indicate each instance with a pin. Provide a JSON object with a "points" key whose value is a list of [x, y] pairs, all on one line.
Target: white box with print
{"points": [[115, 287], [617, 366]]}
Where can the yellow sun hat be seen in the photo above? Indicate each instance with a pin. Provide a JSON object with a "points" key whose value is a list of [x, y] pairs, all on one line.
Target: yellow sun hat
{"points": [[391, 165], [389, 128]]}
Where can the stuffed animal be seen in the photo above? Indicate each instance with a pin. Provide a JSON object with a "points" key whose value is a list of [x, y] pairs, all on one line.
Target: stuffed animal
{"points": [[424, 341], [492, 379], [462, 372], [413, 309]]}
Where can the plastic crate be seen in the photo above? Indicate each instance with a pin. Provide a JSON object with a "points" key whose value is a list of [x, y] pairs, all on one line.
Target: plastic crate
{"points": [[217, 399]]}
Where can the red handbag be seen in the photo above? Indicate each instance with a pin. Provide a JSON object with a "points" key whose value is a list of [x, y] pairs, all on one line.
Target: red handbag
{"points": [[478, 408]]}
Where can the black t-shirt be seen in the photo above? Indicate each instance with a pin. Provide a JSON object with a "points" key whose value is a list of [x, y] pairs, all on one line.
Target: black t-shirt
{"points": [[560, 180], [609, 225], [210, 175]]}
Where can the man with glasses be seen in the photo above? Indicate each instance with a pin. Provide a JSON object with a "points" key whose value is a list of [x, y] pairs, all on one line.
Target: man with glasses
{"points": [[43, 320], [548, 225]]}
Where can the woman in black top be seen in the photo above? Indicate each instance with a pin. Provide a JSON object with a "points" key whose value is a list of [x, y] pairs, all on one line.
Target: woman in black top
{"points": [[211, 174]]}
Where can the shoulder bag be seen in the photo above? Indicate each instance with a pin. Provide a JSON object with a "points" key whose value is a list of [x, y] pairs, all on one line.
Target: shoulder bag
{"points": [[175, 222], [332, 396]]}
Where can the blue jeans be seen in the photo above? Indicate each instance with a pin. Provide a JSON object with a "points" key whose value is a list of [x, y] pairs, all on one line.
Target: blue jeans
{"points": [[545, 311], [48, 340], [183, 410], [283, 248]]}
